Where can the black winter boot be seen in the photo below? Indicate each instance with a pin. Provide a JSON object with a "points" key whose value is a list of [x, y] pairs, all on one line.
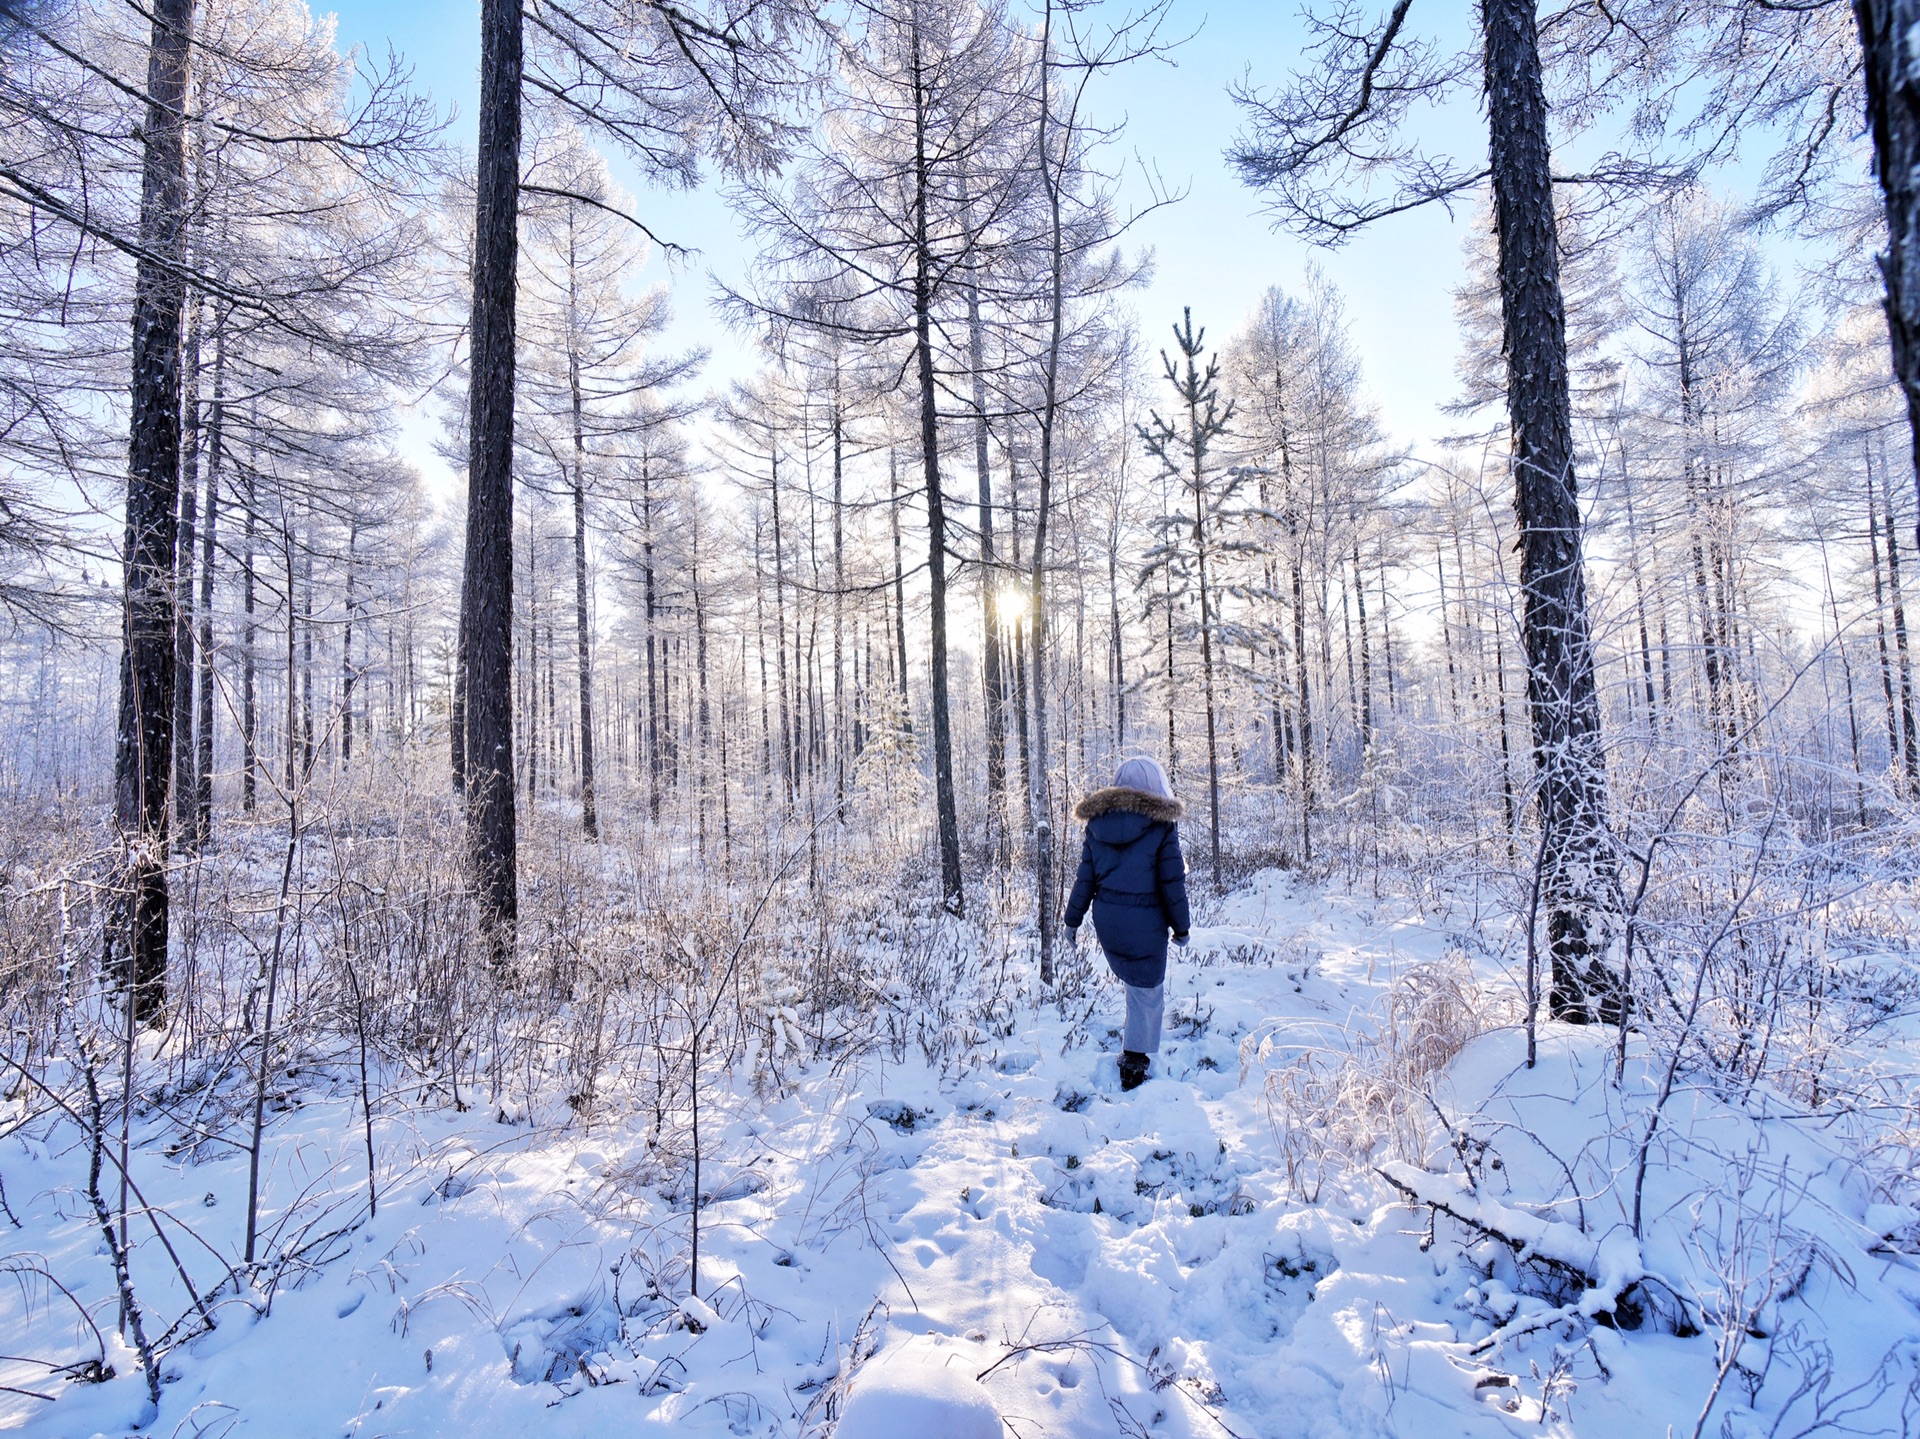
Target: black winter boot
{"points": [[1133, 1069]]}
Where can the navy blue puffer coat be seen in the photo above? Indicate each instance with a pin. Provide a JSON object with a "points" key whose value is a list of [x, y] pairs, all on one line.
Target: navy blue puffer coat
{"points": [[1135, 879]]}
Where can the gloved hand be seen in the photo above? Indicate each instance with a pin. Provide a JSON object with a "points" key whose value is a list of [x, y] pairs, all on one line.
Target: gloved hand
{"points": [[1182, 939]]}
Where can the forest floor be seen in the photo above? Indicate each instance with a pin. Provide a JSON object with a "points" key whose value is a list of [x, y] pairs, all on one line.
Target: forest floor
{"points": [[895, 1248]]}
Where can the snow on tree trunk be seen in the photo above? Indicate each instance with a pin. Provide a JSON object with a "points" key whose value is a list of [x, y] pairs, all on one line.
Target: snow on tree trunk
{"points": [[487, 592], [952, 887], [1892, 74], [144, 751], [1579, 876]]}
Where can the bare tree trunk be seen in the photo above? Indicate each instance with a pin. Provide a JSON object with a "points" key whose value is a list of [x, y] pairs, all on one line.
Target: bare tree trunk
{"points": [[1116, 654], [650, 601], [668, 742], [789, 716], [583, 635], [184, 557], [1303, 709], [530, 696], [1640, 604], [306, 653], [1713, 649], [1017, 651], [1846, 674], [582, 622], [1270, 574], [1200, 543], [1508, 808], [556, 746], [952, 886], [1041, 807], [1386, 644], [839, 616], [994, 682], [760, 642], [143, 759], [1579, 877], [487, 592], [1880, 622], [899, 591], [1346, 636], [1892, 74], [249, 639], [1725, 602], [347, 673], [203, 718], [1366, 654], [457, 712], [1910, 751], [704, 716], [1446, 632], [1302, 693]]}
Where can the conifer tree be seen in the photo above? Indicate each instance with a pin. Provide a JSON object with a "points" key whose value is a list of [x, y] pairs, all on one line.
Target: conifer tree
{"points": [[1185, 445]]}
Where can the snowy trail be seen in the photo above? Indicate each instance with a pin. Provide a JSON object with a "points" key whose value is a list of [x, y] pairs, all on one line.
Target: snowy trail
{"points": [[1103, 1263], [1127, 1260]]}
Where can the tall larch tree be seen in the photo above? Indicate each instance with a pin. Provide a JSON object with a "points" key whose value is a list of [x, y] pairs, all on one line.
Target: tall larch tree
{"points": [[1316, 147]]}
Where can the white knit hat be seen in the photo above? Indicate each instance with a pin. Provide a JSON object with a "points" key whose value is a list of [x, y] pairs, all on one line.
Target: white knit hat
{"points": [[1144, 774]]}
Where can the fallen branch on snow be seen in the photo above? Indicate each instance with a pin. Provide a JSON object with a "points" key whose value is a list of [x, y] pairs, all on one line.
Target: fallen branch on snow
{"points": [[1610, 1267]]}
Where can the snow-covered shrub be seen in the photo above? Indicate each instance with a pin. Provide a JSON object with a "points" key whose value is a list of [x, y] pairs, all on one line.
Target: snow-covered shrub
{"points": [[52, 910], [1334, 1111]]}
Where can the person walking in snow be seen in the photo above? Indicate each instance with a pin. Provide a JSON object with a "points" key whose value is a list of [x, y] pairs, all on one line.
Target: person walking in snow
{"points": [[1133, 875]]}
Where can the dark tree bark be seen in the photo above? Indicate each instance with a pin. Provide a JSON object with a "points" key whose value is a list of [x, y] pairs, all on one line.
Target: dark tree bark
{"points": [[1508, 809], [1116, 642], [1173, 735], [760, 640], [1640, 608], [203, 716], [1366, 655], [583, 636], [530, 661], [1386, 642], [1446, 632], [952, 887], [348, 674], [1302, 687], [582, 625], [704, 714], [993, 682], [1017, 658], [1697, 486], [184, 557], [839, 618], [143, 758], [1893, 114], [1880, 621], [487, 592], [899, 594], [1910, 749], [1579, 874], [789, 744], [650, 609], [296, 777], [457, 709], [1041, 807], [249, 637]]}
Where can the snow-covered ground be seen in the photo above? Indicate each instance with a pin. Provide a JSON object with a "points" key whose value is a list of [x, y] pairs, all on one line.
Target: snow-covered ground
{"points": [[1009, 1245]]}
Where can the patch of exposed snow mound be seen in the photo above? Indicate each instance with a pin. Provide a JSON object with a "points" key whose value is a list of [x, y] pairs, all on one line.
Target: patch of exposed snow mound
{"points": [[916, 1392]]}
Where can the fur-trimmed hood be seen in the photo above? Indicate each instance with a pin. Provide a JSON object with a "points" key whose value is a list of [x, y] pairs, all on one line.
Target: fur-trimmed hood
{"points": [[1118, 799]]}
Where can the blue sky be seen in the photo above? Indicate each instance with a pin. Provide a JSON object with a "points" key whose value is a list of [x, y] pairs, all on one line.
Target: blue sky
{"points": [[1213, 250]]}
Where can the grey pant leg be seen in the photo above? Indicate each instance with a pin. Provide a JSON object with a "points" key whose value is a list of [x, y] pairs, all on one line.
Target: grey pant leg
{"points": [[1144, 1010]]}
